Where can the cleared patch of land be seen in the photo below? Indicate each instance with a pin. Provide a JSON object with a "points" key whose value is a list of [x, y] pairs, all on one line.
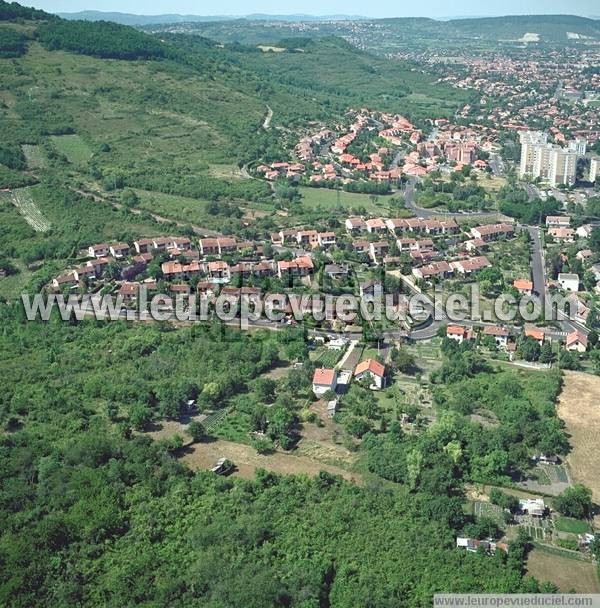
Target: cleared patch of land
{"points": [[564, 572], [579, 407], [247, 460], [73, 147], [35, 156], [325, 197], [23, 201]]}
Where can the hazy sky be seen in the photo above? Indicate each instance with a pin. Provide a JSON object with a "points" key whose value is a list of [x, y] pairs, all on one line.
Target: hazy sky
{"points": [[385, 8]]}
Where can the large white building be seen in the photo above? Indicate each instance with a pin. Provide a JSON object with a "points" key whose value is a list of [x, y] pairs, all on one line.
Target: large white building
{"points": [[563, 166], [549, 162]]}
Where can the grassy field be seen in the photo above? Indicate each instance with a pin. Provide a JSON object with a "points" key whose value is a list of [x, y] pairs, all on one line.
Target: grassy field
{"points": [[324, 197], [573, 526], [179, 208], [73, 147], [565, 573], [579, 407]]}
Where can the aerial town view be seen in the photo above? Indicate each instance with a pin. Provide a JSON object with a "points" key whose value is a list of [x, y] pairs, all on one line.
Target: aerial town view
{"points": [[299, 304]]}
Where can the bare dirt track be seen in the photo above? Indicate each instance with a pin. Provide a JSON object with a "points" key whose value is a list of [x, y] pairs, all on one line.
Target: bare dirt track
{"points": [[579, 407]]}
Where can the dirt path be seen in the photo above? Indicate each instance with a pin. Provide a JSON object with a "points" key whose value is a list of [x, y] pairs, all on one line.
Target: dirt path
{"points": [[579, 407], [268, 118], [247, 460]]}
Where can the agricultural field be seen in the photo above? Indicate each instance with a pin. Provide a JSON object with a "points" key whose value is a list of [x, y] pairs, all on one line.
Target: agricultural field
{"points": [[571, 526], [579, 407], [566, 573], [489, 511], [23, 201]]}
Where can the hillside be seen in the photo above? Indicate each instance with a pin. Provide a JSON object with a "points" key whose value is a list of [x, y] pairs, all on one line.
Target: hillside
{"points": [[393, 34]]}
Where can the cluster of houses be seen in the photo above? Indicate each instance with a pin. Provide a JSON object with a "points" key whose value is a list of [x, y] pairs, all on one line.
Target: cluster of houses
{"points": [[369, 370], [505, 340], [325, 157], [561, 230]]}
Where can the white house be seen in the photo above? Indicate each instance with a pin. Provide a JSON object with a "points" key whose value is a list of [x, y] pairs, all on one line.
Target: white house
{"points": [[324, 380], [459, 333], [500, 335], [568, 281], [374, 370], [576, 341]]}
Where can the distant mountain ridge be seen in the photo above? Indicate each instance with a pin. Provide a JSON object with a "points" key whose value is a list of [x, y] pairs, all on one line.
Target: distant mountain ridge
{"points": [[133, 19]]}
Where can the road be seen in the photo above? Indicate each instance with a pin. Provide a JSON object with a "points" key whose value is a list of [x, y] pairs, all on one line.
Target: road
{"points": [[537, 263], [538, 274]]}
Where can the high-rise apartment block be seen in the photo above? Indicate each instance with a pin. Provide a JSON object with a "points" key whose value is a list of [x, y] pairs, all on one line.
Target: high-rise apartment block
{"points": [[549, 162]]}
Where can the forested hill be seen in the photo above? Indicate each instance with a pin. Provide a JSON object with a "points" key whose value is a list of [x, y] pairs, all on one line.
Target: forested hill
{"points": [[549, 27]]}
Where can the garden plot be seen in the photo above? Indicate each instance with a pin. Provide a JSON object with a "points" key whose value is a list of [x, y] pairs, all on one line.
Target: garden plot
{"points": [[23, 201]]}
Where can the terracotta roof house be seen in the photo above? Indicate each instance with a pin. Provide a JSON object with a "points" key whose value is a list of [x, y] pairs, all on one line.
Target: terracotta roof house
{"points": [[324, 380], [373, 369], [459, 333], [577, 341], [524, 286], [500, 334]]}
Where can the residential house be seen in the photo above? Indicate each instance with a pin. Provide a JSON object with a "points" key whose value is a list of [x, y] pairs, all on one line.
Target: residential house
{"points": [[355, 224], [376, 226], [218, 270], [576, 341], [492, 232], [558, 221], [470, 265], [361, 246], [584, 255], [378, 249], [119, 250], [326, 239], [434, 270], [324, 380], [336, 271], [175, 270], [143, 245], [371, 287], [500, 335], [533, 506], [458, 333], [226, 245], [535, 333], [301, 266], [209, 246], [584, 231], [562, 234], [568, 281], [523, 286], [84, 272], [64, 280], [129, 291], [98, 251], [372, 369], [307, 238]]}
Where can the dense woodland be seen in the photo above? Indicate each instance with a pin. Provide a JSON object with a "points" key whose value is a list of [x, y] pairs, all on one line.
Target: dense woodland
{"points": [[94, 513]]}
